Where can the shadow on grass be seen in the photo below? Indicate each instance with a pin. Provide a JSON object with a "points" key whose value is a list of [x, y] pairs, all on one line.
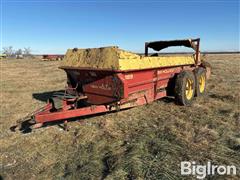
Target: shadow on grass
{"points": [[44, 96], [168, 99]]}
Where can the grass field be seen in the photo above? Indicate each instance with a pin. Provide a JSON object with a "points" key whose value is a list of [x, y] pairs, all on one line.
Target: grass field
{"points": [[146, 142]]}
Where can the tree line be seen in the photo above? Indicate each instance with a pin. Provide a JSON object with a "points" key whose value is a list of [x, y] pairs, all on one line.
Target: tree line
{"points": [[11, 52]]}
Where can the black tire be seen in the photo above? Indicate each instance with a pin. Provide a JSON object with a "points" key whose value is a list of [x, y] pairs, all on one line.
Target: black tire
{"points": [[182, 81], [200, 75]]}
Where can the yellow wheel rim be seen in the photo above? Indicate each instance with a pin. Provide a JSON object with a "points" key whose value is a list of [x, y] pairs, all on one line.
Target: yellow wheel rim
{"points": [[202, 82], [189, 89]]}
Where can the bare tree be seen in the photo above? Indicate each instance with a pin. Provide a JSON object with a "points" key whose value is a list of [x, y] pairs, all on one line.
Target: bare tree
{"points": [[27, 51], [19, 52], [8, 51]]}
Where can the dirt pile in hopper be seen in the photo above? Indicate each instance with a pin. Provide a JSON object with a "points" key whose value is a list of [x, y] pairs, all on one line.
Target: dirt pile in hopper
{"points": [[118, 59], [106, 57]]}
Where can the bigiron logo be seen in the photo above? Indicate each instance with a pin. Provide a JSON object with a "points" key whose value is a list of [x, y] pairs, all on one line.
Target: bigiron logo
{"points": [[201, 171]]}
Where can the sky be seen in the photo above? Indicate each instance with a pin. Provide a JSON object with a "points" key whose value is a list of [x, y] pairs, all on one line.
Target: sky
{"points": [[51, 26]]}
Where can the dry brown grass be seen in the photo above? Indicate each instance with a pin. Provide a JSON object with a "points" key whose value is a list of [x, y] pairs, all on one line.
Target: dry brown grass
{"points": [[144, 142]]}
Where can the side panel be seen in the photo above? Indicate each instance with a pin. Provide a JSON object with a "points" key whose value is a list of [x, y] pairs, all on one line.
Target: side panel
{"points": [[106, 87], [106, 90], [156, 79]]}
